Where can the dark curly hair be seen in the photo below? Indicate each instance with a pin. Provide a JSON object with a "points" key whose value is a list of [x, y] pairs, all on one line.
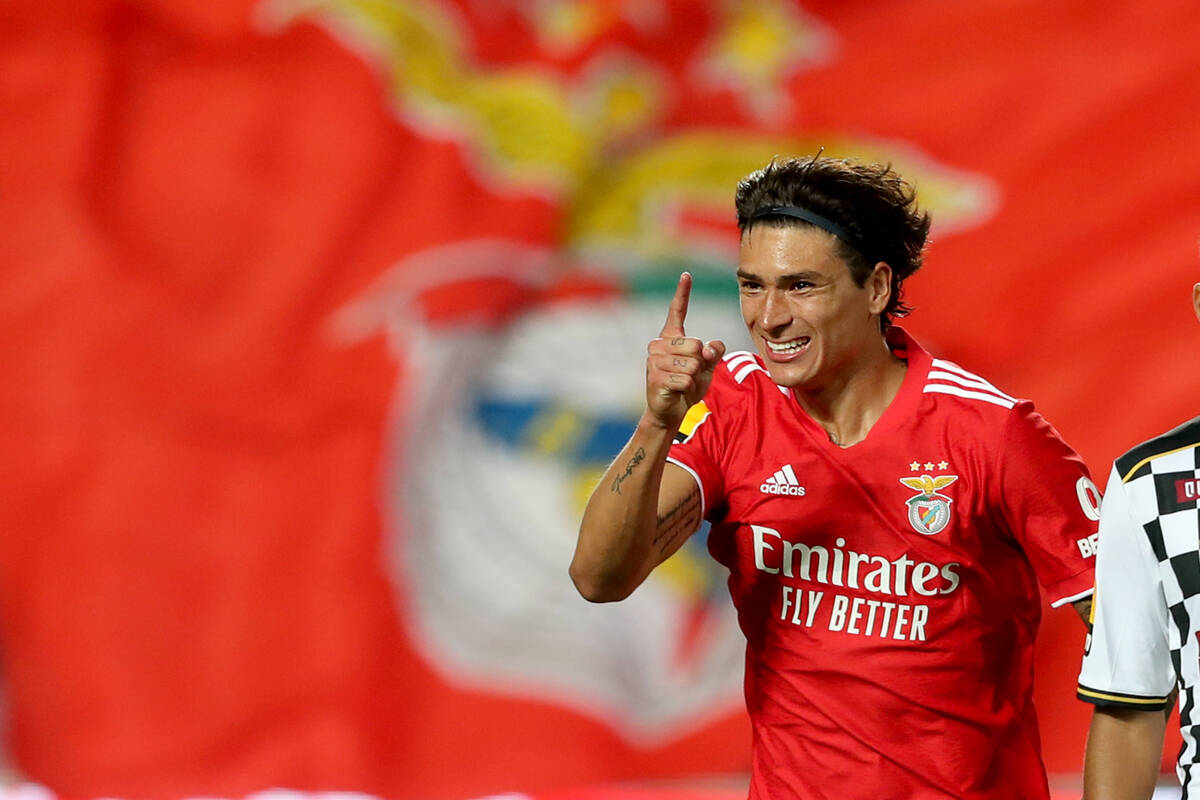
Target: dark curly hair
{"points": [[870, 202]]}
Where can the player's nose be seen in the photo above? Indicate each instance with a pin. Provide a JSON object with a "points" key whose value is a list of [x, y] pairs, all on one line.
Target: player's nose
{"points": [[774, 313]]}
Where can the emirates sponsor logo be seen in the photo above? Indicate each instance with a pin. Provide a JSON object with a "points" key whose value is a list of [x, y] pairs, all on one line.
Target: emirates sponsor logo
{"points": [[875, 596], [836, 566]]}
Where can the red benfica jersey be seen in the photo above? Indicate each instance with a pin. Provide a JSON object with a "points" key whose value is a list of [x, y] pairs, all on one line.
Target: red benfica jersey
{"points": [[888, 591]]}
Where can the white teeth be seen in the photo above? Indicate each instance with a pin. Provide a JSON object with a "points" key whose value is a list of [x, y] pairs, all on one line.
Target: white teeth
{"points": [[787, 347]]}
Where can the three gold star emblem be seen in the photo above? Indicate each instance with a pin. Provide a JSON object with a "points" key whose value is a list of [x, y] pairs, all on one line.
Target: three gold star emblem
{"points": [[929, 465]]}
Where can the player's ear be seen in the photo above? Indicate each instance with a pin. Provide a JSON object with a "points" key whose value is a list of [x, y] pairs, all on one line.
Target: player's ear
{"points": [[1196, 299], [880, 285]]}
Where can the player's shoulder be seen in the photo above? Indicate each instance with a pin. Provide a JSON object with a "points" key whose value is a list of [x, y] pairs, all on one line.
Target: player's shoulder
{"points": [[741, 375], [739, 380], [736, 380], [959, 389], [1179, 443], [740, 370]]}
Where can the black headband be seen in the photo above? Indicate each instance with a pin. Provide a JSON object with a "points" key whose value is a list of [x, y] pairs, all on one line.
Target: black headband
{"points": [[812, 217]]}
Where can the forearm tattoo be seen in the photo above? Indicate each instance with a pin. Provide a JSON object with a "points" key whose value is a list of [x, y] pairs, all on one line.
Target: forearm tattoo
{"points": [[638, 458], [680, 520]]}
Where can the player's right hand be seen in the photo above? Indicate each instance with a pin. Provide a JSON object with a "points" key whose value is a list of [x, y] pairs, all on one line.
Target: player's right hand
{"points": [[679, 368]]}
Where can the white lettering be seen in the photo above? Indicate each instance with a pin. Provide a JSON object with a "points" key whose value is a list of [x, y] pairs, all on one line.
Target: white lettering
{"points": [[855, 616], [836, 566], [838, 556], [837, 618], [1087, 545], [921, 575], [855, 560], [887, 616], [778, 488], [814, 600], [902, 563], [879, 579], [872, 604], [761, 546], [920, 617], [847, 614], [950, 576], [794, 601], [1089, 497], [796, 620], [806, 554]]}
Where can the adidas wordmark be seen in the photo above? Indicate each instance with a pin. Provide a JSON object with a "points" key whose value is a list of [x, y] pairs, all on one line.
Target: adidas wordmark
{"points": [[783, 482]]}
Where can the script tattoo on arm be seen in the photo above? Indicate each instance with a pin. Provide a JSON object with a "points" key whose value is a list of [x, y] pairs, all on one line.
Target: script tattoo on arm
{"points": [[638, 458], [683, 519]]}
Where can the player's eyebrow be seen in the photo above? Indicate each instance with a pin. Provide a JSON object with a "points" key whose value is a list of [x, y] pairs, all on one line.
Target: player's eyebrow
{"points": [[782, 280]]}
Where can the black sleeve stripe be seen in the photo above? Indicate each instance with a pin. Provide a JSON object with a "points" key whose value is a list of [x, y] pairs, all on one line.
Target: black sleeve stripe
{"points": [[1136, 462], [1120, 699]]}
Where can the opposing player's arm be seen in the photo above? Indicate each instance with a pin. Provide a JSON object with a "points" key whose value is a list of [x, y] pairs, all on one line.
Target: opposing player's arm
{"points": [[1127, 671], [1084, 609], [1124, 748], [644, 508]]}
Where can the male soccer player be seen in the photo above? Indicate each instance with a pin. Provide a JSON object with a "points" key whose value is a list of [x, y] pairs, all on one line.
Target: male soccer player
{"points": [[1146, 620], [885, 515]]}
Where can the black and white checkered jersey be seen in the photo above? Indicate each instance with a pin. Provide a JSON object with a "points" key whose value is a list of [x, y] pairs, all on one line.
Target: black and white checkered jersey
{"points": [[1146, 612]]}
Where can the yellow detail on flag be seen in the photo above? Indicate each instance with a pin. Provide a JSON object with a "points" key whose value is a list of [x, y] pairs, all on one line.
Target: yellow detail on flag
{"points": [[555, 431], [685, 572], [584, 483], [694, 417], [758, 46], [586, 139], [521, 122], [567, 26]]}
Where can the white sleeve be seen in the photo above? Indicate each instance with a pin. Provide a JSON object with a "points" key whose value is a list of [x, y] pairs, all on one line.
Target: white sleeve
{"points": [[1127, 660]]}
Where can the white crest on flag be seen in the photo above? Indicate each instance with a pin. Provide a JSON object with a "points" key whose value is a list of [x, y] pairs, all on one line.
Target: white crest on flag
{"points": [[482, 509]]}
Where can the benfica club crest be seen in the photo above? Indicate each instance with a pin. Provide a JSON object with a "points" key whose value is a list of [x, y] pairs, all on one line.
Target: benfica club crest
{"points": [[493, 452], [929, 511]]}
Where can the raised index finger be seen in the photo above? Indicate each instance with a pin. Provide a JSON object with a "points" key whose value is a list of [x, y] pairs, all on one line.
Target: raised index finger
{"points": [[679, 306]]}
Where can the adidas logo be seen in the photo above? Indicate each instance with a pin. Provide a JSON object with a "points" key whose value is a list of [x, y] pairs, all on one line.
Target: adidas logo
{"points": [[783, 482]]}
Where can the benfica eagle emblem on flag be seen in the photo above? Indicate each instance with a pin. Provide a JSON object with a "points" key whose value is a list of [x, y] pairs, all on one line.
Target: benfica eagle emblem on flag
{"points": [[929, 511]]}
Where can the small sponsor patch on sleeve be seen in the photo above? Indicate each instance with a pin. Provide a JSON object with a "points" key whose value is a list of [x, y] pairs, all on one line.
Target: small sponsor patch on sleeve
{"points": [[691, 420], [1088, 544], [1176, 491]]}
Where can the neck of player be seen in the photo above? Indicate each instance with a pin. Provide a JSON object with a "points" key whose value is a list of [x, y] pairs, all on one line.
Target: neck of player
{"points": [[849, 405]]}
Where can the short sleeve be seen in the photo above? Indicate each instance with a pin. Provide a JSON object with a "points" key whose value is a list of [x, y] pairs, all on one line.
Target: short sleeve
{"points": [[1127, 663], [697, 449], [1051, 504]]}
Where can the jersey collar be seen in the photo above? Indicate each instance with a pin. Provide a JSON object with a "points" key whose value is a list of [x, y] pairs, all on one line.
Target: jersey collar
{"points": [[903, 406]]}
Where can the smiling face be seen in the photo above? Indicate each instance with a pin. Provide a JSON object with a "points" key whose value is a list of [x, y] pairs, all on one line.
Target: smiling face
{"points": [[812, 324]]}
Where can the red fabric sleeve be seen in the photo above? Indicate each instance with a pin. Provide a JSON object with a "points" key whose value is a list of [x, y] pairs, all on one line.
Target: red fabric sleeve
{"points": [[699, 444], [1050, 503]]}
